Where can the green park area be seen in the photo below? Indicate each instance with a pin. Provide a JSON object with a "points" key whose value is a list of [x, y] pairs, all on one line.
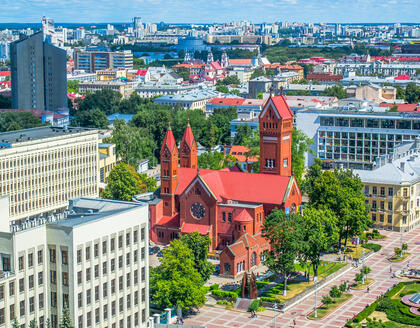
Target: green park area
{"points": [[389, 311]]}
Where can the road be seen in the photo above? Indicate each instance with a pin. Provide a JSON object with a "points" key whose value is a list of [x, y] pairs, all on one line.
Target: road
{"points": [[213, 317]]}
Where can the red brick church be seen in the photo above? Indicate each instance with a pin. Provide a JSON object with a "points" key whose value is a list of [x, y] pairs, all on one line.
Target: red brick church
{"points": [[227, 205]]}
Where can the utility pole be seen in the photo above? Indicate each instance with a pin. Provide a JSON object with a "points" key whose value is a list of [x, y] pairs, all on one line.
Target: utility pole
{"points": [[316, 292]]}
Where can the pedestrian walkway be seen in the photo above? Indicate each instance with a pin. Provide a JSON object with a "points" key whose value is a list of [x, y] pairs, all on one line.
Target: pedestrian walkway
{"points": [[217, 317]]}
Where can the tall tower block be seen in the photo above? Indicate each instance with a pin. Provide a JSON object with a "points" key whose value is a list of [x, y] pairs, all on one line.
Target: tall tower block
{"points": [[276, 125]]}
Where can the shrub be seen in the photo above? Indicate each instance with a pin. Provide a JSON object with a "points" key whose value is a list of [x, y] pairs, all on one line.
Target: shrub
{"points": [[404, 247], [261, 308], [224, 294], [261, 284], [255, 304], [358, 277], [326, 300], [342, 287], [214, 287], [385, 303], [373, 247], [365, 270], [397, 251], [400, 313], [224, 302], [269, 299], [335, 292]]}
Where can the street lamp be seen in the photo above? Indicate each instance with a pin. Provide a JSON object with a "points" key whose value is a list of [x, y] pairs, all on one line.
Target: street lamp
{"points": [[401, 230], [363, 266], [316, 292]]}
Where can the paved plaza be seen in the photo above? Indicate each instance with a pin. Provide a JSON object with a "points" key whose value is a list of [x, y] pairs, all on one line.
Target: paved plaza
{"points": [[214, 317]]}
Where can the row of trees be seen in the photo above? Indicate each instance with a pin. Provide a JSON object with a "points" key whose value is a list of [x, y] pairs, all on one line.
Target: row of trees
{"points": [[11, 121], [335, 212]]}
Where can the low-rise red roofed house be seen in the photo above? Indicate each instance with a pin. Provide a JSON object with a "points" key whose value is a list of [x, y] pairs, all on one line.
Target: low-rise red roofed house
{"points": [[5, 76], [227, 204]]}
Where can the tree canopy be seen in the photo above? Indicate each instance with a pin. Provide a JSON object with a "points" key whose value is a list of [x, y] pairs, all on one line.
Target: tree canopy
{"points": [[215, 160], [335, 91], [90, 119], [176, 281], [123, 183], [11, 121], [199, 246], [301, 144], [5, 102]]}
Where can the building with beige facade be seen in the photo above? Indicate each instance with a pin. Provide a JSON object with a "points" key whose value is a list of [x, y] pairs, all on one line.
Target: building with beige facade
{"points": [[107, 160], [392, 189], [110, 74], [125, 88], [42, 168], [92, 259], [373, 92]]}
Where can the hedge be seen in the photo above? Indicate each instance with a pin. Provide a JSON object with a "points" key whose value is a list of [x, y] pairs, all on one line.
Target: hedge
{"points": [[374, 247], [214, 287], [224, 293], [401, 314], [269, 299], [261, 284]]}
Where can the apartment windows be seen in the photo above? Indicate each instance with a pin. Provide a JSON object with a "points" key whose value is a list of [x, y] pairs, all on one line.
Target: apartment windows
{"points": [[105, 290], [127, 239], [88, 297], [31, 281], [121, 283], [143, 253], [135, 256], [127, 258], [104, 247], [52, 255], [65, 299], [65, 278], [96, 250], [381, 218], [143, 315], [105, 312], [128, 301], [128, 280], [89, 319], [97, 315], [143, 274], [374, 204], [382, 205], [120, 262], [20, 262], [64, 257], [136, 297], [104, 268], [80, 300], [1, 292], [135, 236], [230, 217], [53, 299], [41, 322], [22, 308], [87, 274], [223, 216], [41, 301], [113, 283], [120, 241], [40, 256], [12, 314], [96, 270], [390, 191], [31, 304], [112, 265], [366, 190], [87, 253], [373, 217], [404, 220], [11, 288], [121, 304], [96, 293], [405, 192], [374, 190], [30, 260], [80, 320], [389, 206], [113, 308], [79, 277], [389, 219], [21, 285], [2, 319], [112, 244], [79, 256], [53, 276], [143, 233]]}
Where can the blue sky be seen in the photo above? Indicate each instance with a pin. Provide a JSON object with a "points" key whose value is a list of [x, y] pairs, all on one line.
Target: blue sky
{"points": [[207, 11]]}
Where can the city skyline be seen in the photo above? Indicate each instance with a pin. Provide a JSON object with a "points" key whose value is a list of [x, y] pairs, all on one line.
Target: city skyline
{"points": [[173, 11]]}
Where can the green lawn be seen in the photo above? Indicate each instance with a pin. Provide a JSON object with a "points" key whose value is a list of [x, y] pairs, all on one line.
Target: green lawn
{"points": [[325, 309], [294, 288], [360, 286], [399, 258]]}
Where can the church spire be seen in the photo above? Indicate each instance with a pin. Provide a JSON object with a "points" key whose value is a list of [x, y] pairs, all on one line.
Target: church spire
{"points": [[188, 149]]}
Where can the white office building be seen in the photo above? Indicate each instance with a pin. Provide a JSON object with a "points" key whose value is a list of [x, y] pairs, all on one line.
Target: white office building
{"points": [[93, 259]]}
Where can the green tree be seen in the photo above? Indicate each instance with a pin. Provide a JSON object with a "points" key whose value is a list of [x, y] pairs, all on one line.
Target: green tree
{"points": [[15, 323], [5, 102], [400, 92], [184, 73], [257, 73], [221, 118], [90, 119], [215, 160], [301, 144], [222, 88], [412, 93], [229, 80], [66, 320], [176, 282], [326, 300], [138, 63], [132, 144], [123, 183], [10, 121], [149, 181], [243, 132], [283, 234], [33, 324], [199, 246], [73, 86], [335, 91], [393, 108], [319, 233], [105, 100]]}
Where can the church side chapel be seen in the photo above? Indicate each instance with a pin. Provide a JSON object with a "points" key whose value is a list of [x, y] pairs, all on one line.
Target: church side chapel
{"points": [[227, 205]]}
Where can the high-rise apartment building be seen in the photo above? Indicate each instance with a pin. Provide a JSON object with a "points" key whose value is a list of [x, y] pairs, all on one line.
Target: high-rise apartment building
{"points": [[91, 61], [38, 74], [42, 168], [92, 259]]}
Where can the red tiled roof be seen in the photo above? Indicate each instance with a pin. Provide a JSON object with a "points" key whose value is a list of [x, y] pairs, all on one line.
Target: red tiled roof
{"points": [[242, 61], [403, 108], [194, 77], [244, 216], [188, 136], [227, 101], [191, 227], [141, 72], [292, 67], [239, 248], [5, 73], [169, 221], [216, 65], [169, 140], [282, 107], [189, 65], [240, 186], [402, 77], [239, 152]]}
